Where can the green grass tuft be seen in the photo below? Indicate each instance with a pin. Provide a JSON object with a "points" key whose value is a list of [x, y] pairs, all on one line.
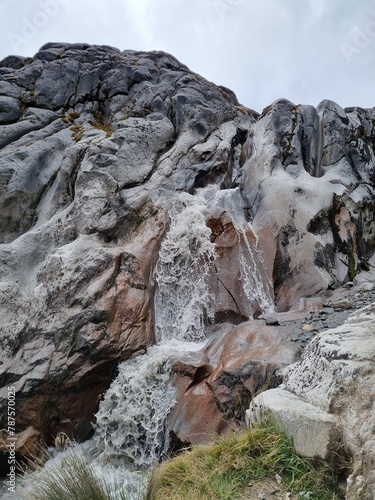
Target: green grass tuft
{"points": [[225, 469]]}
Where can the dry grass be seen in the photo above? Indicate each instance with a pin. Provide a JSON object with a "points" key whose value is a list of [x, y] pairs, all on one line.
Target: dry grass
{"points": [[69, 477], [104, 126]]}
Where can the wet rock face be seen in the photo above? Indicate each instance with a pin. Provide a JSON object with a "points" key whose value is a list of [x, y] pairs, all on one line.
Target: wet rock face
{"points": [[93, 140], [96, 145], [214, 391], [309, 177]]}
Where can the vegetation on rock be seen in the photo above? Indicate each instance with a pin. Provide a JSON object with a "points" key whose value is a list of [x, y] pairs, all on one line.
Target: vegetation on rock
{"points": [[226, 469]]}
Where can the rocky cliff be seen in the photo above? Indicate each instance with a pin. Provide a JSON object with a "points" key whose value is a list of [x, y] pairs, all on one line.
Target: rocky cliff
{"points": [[114, 168]]}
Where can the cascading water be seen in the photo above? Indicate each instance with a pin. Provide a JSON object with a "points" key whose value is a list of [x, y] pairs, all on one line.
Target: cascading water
{"points": [[183, 300], [130, 424], [131, 418], [130, 421]]}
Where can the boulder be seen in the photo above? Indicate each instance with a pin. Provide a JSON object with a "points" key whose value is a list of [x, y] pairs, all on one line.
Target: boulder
{"points": [[214, 391], [315, 432], [10, 109]]}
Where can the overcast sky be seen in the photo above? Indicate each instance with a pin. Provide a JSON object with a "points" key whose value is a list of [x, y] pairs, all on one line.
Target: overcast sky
{"points": [[303, 50]]}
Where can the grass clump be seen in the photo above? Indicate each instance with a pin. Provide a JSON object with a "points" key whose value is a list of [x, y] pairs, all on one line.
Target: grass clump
{"points": [[69, 477], [73, 116], [105, 127], [77, 132], [225, 469]]}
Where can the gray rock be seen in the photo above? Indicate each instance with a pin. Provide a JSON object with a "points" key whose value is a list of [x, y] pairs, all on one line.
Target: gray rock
{"points": [[336, 374], [57, 84], [33, 119], [327, 398], [9, 89], [345, 303], [271, 321], [10, 109], [13, 62], [315, 432], [129, 154], [310, 155]]}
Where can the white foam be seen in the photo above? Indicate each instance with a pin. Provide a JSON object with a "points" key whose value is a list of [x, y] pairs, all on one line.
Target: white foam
{"points": [[183, 301], [130, 421]]}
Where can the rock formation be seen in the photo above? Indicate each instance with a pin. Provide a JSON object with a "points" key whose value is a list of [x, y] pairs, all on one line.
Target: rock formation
{"points": [[100, 150], [327, 400]]}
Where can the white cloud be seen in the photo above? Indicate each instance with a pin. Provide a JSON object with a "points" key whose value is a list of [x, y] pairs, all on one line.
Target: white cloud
{"points": [[262, 49], [317, 7]]}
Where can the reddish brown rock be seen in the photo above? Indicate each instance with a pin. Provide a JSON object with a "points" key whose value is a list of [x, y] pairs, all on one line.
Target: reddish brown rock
{"points": [[234, 247], [60, 376], [214, 393]]}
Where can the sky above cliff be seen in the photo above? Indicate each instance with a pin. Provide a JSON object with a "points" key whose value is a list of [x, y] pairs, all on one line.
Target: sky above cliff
{"points": [[305, 51]]}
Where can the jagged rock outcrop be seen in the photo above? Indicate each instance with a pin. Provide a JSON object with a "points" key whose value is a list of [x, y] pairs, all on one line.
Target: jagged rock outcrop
{"points": [[94, 144], [309, 177], [327, 400], [97, 146]]}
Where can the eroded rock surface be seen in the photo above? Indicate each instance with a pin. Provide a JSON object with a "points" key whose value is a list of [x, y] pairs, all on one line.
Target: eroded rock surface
{"points": [[95, 142], [99, 151], [237, 363], [309, 175], [334, 382]]}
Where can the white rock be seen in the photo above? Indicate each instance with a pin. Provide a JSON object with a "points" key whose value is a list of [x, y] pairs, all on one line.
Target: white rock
{"points": [[314, 431], [333, 382]]}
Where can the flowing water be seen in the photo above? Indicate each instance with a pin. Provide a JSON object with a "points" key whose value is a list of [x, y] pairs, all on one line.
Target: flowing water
{"points": [[255, 282], [183, 301], [131, 420], [130, 424]]}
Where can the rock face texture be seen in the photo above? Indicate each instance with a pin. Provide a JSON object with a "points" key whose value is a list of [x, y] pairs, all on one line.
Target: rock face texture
{"points": [[317, 229], [95, 143], [327, 399], [214, 392], [103, 155], [337, 374]]}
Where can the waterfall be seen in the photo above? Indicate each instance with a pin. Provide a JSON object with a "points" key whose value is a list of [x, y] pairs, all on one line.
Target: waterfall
{"points": [[131, 418], [130, 430], [183, 300], [130, 423]]}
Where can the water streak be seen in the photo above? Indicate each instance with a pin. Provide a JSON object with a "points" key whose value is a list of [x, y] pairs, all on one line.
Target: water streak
{"points": [[255, 282], [183, 301]]}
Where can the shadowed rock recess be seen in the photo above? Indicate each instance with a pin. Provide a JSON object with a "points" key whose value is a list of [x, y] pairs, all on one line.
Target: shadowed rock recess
{"points": [[101, 152]]}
